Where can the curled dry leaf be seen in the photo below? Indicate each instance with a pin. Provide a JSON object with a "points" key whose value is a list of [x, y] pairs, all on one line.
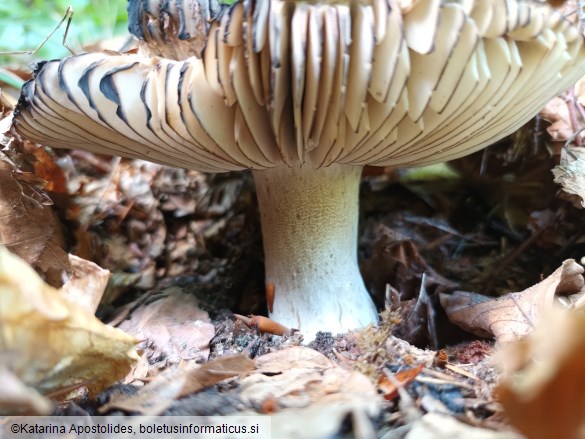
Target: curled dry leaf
{"points": [[515, 314], [570, 174], [44, 165], [542, 386], [28, 226], [390, 389], [158, 395], [171, 327], [307, 389], [86, 284], [6, 107], [53, 342], [557, 113]]}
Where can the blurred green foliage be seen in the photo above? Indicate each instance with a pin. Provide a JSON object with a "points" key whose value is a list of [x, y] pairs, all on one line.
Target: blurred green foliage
{"points": [[25, 23]]}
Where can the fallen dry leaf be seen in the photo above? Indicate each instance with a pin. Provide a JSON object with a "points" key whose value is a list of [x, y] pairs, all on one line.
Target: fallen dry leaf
{"points": [[28, 226], [403, 378], [513, 315], [86, 284], [542, 386], [308, 388], [293, 357], [570, 174], [171, 327], [437, 426], [172, 384], [6, 117], [122, 201], [46, 168], [18, 398], [557, 113], [53, 342]]}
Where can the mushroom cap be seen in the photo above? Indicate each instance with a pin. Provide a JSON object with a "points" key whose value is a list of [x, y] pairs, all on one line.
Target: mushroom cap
{"points": [[377, 82], [175, 29]]}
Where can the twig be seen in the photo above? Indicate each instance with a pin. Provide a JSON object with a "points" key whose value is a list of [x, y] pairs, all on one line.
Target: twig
{"points": [[69, 17]]}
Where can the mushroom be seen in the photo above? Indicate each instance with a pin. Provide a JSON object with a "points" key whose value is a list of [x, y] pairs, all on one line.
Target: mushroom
{"points": [[305, 94]]}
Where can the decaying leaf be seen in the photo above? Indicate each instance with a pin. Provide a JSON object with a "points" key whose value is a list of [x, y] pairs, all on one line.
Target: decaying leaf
{"points": [[515, 314], [44, 165], [171, 327], [28, 226], [307, 388], [121, 201], [158, 395], [557, 113], [53, 342], [437, 426], [18, 398], [542, 386], [570, 174]]}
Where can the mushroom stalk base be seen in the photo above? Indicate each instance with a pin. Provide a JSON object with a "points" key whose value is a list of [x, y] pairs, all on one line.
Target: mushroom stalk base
{"points": [[309, 228]]}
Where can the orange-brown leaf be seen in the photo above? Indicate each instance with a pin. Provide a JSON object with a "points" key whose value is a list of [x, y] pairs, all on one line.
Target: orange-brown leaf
{"points": [[403, 378]]}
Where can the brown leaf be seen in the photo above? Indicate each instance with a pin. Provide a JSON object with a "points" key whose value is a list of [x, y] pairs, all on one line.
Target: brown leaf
{"points": [[570, 174], [395, 261], [404, 378], [542, 387], [293, 357], [54, 342], [123, 203], [171, 326], [216, 371], [438, 426], [18, 398], [513, 315], [29, 228], [557, 113], [309, 388], [47, 169], [158, 395]]}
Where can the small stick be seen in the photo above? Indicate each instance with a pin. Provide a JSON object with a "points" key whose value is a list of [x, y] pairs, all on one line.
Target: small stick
{"points": [[69, 17]]}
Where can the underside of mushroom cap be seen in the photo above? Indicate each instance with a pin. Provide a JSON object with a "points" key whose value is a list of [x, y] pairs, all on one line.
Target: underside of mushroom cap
{"points": [[309, 84]]}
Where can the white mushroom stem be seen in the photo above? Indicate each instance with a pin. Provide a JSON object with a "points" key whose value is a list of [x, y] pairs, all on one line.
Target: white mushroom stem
{"points": [[309, 227]]}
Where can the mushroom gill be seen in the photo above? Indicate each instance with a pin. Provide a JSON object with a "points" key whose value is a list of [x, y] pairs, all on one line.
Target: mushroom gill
{"points": [[305, 94]]}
